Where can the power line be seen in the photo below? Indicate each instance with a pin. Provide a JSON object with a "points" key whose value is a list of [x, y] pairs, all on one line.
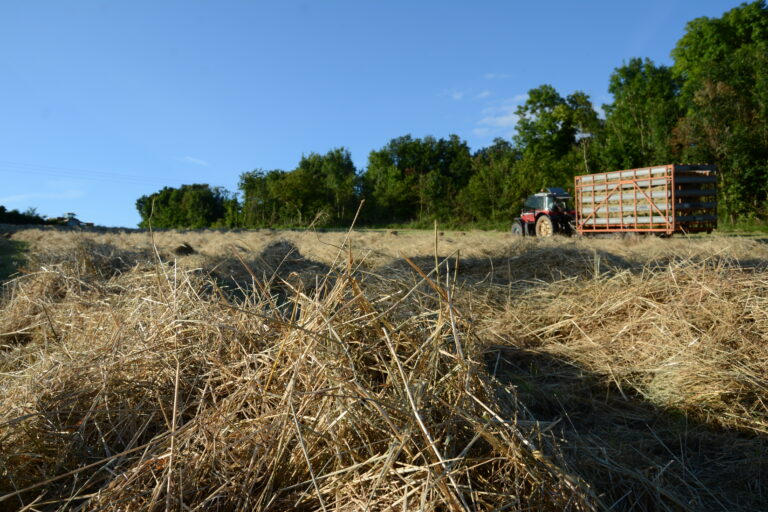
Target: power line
{"points": [[84, 174]]}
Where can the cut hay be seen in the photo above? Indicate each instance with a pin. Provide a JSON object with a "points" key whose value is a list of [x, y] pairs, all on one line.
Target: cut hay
{"points": [[302, 371], [150, 390], [658, 378]]}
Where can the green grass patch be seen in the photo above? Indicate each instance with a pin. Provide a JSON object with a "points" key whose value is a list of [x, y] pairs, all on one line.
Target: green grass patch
{"points": [[12, 256], [744, 226]]}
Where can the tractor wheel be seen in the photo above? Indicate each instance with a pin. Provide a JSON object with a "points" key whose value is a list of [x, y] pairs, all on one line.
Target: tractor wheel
{"points": [[517, 229], [544, 226]]}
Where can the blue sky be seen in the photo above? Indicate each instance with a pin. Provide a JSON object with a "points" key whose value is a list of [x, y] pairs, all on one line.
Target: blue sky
{"points": [[102, 101]]}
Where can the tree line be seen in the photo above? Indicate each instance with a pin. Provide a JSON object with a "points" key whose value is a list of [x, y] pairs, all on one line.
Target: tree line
{"points": [[710, 106], [28, 216]]}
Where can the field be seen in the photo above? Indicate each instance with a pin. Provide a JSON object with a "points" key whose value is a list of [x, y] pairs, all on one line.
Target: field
{"points": [[280, 370]]}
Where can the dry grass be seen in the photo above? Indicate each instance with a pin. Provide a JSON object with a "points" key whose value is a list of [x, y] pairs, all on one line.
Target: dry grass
{"points": [[289, 370]]}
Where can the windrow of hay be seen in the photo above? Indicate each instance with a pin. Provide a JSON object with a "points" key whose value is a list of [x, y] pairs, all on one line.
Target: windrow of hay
{"points": [[146, 388], [691, 336], [377, 248], [657, 377]]}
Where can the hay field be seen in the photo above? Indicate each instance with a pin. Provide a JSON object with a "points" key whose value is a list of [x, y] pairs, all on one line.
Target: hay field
{"points": [[274, 370]]}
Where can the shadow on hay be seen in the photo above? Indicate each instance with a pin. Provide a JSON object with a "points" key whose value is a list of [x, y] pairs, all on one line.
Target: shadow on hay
{"points": [[547, 264], [279, 269], [91, 260], [552, 264], [636, 455]]}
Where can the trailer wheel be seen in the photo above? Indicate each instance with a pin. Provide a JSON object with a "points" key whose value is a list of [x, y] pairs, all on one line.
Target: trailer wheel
{"points": [[517, 229], [544, 226]]}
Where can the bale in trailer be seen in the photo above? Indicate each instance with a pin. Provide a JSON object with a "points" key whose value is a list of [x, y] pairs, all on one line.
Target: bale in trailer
{"points": [[663, 199]]}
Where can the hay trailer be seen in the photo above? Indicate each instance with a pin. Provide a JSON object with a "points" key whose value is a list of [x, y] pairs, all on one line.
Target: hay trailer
{"points": [[663, 199]]}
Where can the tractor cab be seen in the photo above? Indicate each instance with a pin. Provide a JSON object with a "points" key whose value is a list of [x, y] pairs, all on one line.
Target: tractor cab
{"points": [[546, 213]]}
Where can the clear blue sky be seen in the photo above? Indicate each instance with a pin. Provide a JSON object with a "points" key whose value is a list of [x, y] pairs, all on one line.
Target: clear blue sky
{"points": [[103, 101]]}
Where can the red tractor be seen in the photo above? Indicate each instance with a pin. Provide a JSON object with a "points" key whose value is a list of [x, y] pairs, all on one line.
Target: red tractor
{"points": [[547, 213]]}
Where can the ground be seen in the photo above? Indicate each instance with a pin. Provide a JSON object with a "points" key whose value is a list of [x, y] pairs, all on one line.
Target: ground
{"points": [[280, 369]]}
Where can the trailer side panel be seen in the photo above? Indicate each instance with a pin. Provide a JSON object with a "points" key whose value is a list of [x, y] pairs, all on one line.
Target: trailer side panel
{"points": [[662, 199]]}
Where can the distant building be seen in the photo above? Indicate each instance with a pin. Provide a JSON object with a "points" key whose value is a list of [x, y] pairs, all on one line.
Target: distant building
{"points": [[69, 219]]}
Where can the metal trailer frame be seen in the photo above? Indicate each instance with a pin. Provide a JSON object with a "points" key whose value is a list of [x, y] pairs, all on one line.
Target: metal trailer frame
{"points": [[647, 200]]}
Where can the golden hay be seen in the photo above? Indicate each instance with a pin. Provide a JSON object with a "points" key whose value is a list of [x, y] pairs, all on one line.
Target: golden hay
{"points": [[289, 370], [149, 389]]}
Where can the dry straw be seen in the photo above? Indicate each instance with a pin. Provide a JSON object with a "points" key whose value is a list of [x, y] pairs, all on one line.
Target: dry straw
{"points": [[362, 371], [129, 384], [653, 363]]}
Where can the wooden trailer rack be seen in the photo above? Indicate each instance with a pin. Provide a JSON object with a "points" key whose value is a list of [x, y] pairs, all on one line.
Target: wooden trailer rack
{"points": [[663, 199]]}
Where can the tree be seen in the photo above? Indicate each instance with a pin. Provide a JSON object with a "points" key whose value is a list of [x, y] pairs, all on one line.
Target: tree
{"points": [[489, 194], [416, 179], [723, 65], [322, 187], [390, 182], [330, 181], [188, 207], [29, 216], [639, 122], [553, 137], [588, 126], [728, 49], [259, 208]]}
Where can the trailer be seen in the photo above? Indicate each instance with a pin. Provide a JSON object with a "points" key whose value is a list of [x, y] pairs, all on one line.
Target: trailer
{"points": [[663, 199]]}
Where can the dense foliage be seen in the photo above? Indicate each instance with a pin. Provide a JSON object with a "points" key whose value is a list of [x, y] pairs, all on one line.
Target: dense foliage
{"points": [[710, 106], [321, 189], [190, 206], [29, 216], [722, 67]]}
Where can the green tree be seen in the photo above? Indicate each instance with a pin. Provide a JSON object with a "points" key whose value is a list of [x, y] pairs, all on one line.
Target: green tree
{"points": [[545, 128], [321, 186], [554, 137], [29, 216], [639, 122], [390, 182], [261, 207], [416, 179], [588, 128], [723, 66], [188, 207], [489, 194], [341, 181], [326, 184]]}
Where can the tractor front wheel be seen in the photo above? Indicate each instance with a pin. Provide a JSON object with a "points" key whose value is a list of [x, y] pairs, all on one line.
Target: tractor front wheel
{"points": [[544, 226], [517, 229]]}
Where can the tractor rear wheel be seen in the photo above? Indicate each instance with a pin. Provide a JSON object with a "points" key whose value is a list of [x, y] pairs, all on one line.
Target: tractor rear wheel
{"points": [[544, 226]]}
